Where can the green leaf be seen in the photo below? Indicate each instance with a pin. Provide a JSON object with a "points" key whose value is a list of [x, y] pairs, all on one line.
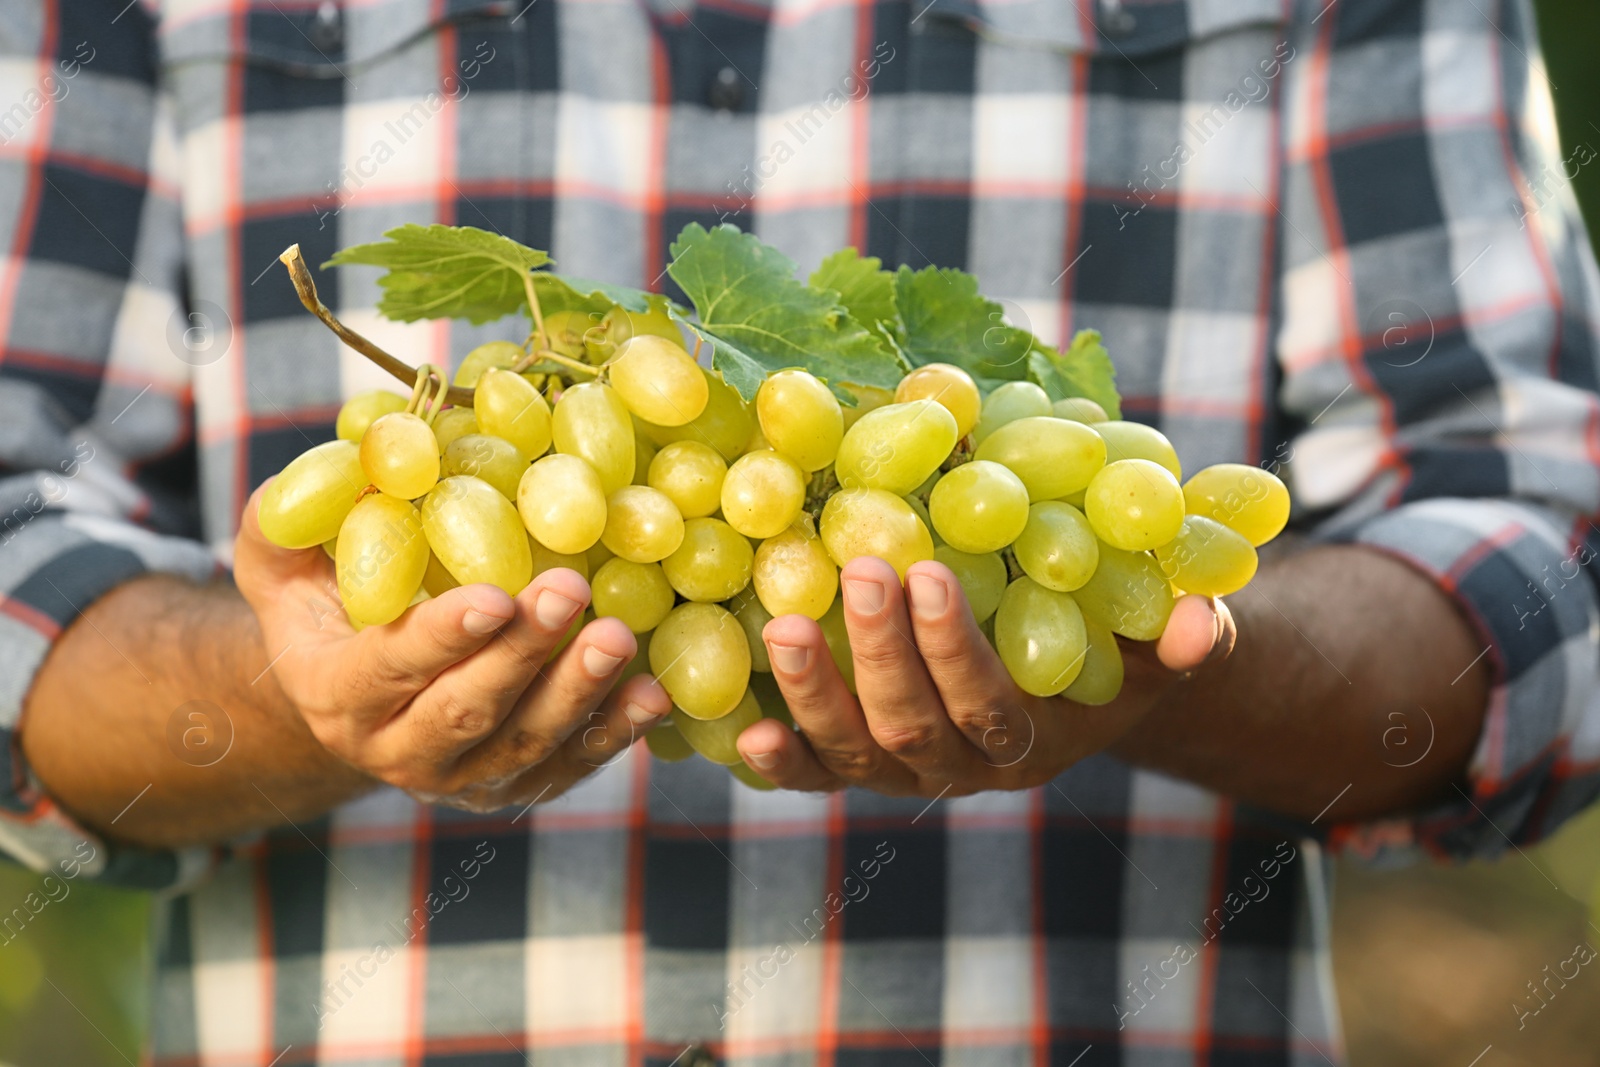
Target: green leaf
{"points": [[759, 318], [447, 272], [946, 320], [863, 288], [1085, 370], [559, 292]]}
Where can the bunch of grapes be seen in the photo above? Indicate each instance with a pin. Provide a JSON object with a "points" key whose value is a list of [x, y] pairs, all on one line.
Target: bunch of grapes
{"points": [[697, 518]]}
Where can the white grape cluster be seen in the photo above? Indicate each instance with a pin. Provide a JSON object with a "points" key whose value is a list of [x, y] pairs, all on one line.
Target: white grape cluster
{"points": [[697, 518]]}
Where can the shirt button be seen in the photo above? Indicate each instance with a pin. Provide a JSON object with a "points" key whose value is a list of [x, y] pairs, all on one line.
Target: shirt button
{"points": [[327, 27], [727, 90]]}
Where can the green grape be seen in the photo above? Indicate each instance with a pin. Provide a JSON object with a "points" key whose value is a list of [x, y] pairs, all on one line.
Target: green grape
{"points": [[725, 424], [476, 534], [383, 555], [307, 502], [642, 524], [982, 576], [762, 493], [636, 593], [700, 656], [753, 616], [564, 332], [837, 636], [400, 455], [500, 355], [640, 663], [794, 575], [800, 418], [596, 555], [437, 580], [562, 503], [363, 409], [691, 474], [620, 325], [1135, 440], [921, 509], [658, 381], [868, 398], [1207, 558], [1134, 504], [644, 454], [1247, 500], [666, 743], [592, 422], [1079, 409], [509, 408], [1012, 401], [872, 522], [490, 459], [1040, 636], [979, 507], [745, 775], [331, 548], [1052, 456], [713, 562], [1057, 548], [1127, 593], [1101, 678], [950, 386], [545, 559], [718, 739], [896, 447], [452, 424]]}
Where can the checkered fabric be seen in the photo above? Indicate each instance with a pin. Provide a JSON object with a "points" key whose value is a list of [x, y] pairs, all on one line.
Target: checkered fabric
{"points": [[1333, 238]]}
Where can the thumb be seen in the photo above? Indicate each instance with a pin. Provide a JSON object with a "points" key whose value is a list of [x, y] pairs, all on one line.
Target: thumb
{"points": [[396, 660], [261, 569], [1200, 629]]}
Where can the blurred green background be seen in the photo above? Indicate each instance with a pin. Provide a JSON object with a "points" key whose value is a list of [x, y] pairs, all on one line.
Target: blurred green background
{"points": [[1430, 960]]}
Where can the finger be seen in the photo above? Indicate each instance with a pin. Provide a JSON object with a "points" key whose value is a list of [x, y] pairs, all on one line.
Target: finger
{"points": [[977, 692], [902, 705], [783, 758], [1199, 629], [466, 702], [624, 717], [262, 570], [823, 706], [556, 705]]}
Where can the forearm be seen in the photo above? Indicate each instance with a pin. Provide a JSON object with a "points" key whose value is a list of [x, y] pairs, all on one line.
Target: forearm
{"points": [[1349, 667], [106, 718]]}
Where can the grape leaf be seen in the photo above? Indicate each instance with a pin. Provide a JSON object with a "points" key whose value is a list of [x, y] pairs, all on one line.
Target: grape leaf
{"points": [[559, 292], [760, 318], [446, 272], [864, 289], [944, 319], [1085, 369]]}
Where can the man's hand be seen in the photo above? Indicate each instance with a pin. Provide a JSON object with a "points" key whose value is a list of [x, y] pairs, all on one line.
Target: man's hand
{"points": [[453, 702], [1336, 646], [937, 713]]}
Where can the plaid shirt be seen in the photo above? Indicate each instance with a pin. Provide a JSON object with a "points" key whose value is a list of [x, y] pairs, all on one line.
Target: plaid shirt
{"points": [[1331, 238]]}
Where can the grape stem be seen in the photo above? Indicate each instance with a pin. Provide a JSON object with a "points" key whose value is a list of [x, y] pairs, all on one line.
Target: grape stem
{"points": [[306, 289], [554, 357], [538, 334]]}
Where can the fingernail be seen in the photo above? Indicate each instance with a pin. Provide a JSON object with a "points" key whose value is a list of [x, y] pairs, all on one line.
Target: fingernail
{"points": [[929, 596], [477, 623], [864, 597], [790, 659], [553, 610], [599, 663], [638, 714], [763, 761]]}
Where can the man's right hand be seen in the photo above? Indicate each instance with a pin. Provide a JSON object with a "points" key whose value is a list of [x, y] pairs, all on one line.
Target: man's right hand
{"points": [[454, 702]]}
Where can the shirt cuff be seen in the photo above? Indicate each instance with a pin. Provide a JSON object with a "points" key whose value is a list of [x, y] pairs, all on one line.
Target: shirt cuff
{"points": [[1531, 601], [57, 565]]}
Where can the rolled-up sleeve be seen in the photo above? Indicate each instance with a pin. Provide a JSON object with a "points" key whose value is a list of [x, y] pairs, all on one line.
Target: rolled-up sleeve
{"points": [[97, 478], [1438, 354]]}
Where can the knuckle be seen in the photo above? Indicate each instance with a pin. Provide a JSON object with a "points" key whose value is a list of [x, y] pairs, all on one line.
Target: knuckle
{"points": [[878, 652], [463, 717], [905, 739], [850, 764]]}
